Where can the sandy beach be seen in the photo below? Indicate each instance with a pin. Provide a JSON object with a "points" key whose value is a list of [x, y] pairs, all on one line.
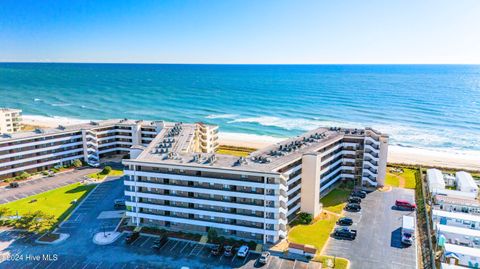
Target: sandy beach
{"points": [[396, 154]]}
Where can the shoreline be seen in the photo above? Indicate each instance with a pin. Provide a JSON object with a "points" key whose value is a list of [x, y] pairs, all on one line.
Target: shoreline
{"points": [[396, 154]]}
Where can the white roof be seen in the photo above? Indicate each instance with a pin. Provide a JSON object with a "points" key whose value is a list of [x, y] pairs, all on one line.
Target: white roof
{"points": [[457, 249], [408, 222], [435, 180], [457, 194], [455, 215], [458, 230], [465, 180]]}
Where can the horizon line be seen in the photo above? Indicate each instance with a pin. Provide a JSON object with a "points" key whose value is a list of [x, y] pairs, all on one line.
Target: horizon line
{"points": [[180, 63]]}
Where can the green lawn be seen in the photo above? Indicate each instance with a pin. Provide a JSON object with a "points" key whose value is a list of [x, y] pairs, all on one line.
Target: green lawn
{"points": [[391, 180], [57, 202], [407, 178], [337, 262], [315, 234], [335, 200], [100, 176]]}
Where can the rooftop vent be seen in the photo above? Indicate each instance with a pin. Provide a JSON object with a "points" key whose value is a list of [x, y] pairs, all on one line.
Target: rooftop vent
{"points": [[261, 159], [241, 161], [212, 159], [196, 158], [39, 131]]}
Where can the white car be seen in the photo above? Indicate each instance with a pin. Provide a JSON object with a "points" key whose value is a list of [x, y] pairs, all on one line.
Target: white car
{"points": [[243, 251]]}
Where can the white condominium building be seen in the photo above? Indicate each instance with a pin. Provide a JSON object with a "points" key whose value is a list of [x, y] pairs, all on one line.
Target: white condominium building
{"points": [[170, 185], [10, 120], [43, 149]]}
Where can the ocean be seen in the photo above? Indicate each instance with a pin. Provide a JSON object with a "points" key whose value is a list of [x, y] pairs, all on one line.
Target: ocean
{"points": [[421, 106]]}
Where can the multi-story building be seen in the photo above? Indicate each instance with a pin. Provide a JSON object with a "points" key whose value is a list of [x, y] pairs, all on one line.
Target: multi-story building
{"points": [[10, 120], [170, 185], [43, 149]]}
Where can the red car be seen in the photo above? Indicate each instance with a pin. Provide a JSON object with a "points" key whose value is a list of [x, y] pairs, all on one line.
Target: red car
{"points": [[405, 204]]}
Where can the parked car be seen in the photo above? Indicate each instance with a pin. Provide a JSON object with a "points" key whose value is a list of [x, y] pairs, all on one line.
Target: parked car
{"points": [[228, 252], [158, 243], [354, 199], [217, 250], [243, 251], [13, 185], [405, 204], [345, 233], [132, 237], [263, 259], [359, 193], [345, 221], [353, 207], [119, 204]]}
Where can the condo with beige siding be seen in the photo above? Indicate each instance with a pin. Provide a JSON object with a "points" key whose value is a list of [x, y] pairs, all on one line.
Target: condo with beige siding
{"points": [[10, 120], [171, 185]]}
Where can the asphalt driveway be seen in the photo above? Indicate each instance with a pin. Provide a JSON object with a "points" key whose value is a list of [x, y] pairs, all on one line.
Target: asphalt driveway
{"points": [[36, 186], [378, 226]]}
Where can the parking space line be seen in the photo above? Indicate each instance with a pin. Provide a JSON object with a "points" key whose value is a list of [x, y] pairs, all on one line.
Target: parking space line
{"points": [[164, 245], [200, 250], [141, 245], [246, 256], [186, 245], [176, 243]]}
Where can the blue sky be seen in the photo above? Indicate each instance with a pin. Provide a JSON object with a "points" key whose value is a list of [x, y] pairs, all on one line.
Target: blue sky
{"points": [[228, 31]]}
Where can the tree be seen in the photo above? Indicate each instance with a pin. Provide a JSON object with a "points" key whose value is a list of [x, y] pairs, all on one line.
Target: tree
{"points": [[3, 213], [77, 163], [106, 170], [305, 218], [212, 235], [36, 221]]}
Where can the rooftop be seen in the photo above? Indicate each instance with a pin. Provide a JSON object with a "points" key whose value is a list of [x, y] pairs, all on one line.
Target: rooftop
{"points": [[455, 215], [472, 252], [268, 159], [458, 230], [72, 128]]}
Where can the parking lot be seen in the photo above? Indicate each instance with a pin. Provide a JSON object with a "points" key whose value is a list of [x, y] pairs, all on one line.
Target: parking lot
{"points": [[378, 242], [79, 251], [36, 186]]}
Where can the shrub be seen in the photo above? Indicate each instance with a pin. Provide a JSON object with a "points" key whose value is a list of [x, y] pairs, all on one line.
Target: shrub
{"points": [[77, 163], [252, 245], [212, 235], [8, 180], [305, 218], [106, 170], [24, 175], [45, 173]]}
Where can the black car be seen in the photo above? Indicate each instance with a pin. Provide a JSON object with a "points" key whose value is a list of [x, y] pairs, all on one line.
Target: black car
{"points": [[157, 244], [345, 233], [354, 199], [217, 250], [119, 204], [132, 237], [345, 221], [353, 207], [14, 185], [361, 194]]}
